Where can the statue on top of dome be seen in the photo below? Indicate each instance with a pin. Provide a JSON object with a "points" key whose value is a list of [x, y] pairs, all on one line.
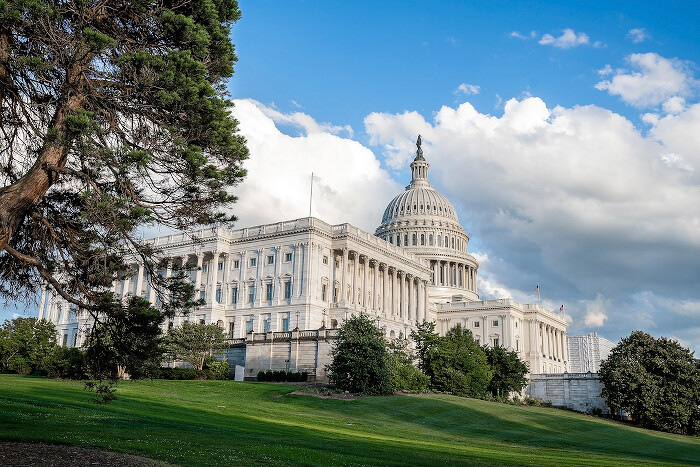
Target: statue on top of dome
{"points": [[419, 152]]}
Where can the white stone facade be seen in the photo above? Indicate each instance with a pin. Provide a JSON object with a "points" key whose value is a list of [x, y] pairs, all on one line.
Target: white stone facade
{"points": [[587, 351], [278, 290]]}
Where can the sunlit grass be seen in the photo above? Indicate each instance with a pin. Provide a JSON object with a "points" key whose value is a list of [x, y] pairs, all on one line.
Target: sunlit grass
{"points": [[222, 422]]}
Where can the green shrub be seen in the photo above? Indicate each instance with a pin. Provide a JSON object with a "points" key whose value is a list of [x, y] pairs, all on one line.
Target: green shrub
{"points": [[181, 373], [216, 369], [66, 363], [407, 378]]}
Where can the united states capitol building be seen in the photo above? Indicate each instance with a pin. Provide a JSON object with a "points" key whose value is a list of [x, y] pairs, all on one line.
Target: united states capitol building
{"points": [[281, 290]]}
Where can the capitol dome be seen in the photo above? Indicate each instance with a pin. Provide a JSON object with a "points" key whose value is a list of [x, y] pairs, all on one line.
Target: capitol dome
{"points": [[423, 221]]}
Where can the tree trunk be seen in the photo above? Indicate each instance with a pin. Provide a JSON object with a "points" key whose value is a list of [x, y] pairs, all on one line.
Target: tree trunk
{"points": [[17, 199]]}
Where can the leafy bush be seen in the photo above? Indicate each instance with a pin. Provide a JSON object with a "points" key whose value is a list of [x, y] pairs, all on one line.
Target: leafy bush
{"points": [[180, 373], [66, 363], [404, 376], [216, 369], [282, 376]]}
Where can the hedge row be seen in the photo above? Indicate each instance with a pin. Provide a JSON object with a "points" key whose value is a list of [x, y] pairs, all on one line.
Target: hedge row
{"points": [[282, 376]]}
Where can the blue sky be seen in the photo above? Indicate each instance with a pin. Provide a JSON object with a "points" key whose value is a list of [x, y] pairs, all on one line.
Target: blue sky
{"points": [[565, 135]]}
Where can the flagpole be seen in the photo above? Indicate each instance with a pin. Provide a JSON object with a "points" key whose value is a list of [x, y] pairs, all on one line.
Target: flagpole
{"points": [[311, 193]]}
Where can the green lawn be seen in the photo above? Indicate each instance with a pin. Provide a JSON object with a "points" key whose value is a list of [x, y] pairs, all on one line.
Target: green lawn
{"points": [[223, 423]]}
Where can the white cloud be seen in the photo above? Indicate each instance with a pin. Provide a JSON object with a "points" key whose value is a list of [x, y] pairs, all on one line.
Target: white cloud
{"points": [[606, 70], [597, 312], [467, 89], [349, 185], [652, 80], [637, 35], [568, 39], [674, 105], [519, 35]]}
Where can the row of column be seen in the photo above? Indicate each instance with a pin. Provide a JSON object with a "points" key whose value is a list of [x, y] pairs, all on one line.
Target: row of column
{"points": [[212, 282], [398, 294], [453, 274], [550, 341]]}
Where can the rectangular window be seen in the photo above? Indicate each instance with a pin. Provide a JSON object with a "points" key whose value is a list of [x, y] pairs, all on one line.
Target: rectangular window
{"points": [[234, 295], [268, 292], [391, 239], [287, 290], [335, 294], [325, 260], [495, 322], [337, 264], [476, 324], [249, 325], [266, 325], [285, 324], [218, 295], [220, 267], [236, 264], [324, 287], [253, 262], [251, 294], [204, 268], [202, 295], [495, 341], [287, 257], [270, 259], [398, 240], [231, 328]]}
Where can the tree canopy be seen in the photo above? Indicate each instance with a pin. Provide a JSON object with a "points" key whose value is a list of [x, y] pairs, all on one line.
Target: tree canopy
{"points": [[656, 381], [25, 344], [192, 343], [359, 358], [508, 371], [455, 362], [113, 116]]}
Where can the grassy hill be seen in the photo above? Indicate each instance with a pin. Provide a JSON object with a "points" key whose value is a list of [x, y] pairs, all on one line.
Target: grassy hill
{"points": [[224, 423]]}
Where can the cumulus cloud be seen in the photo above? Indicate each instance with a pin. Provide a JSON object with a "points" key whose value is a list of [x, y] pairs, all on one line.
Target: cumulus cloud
{"points": [[651, 80], [575, 198], [349, 185], [467, 89], [568, 39], [519, 35], [637, 35], [597, 312]]}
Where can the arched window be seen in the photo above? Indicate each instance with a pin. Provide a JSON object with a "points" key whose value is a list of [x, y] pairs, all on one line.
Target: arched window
{"points": [[391, 239], [453, 243], [422, 239], [447, 242], [430, 239], [405, 240], [439, 237], [398, 240], [414, 240]]}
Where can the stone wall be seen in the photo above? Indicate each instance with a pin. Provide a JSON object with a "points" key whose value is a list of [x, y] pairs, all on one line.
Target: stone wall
{"points": [[577, 391], [307, 351]]}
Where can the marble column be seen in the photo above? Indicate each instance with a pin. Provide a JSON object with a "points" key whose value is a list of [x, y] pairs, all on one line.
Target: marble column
{"points": [[355, 273], [343, 277]]}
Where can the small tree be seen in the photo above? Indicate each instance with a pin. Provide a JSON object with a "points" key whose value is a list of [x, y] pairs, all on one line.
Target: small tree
{"points": [[454, 363], [127, 340], [359, 358], [508, 371], [404, 376], [25, 343], [192, 343], [656, 381]]}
